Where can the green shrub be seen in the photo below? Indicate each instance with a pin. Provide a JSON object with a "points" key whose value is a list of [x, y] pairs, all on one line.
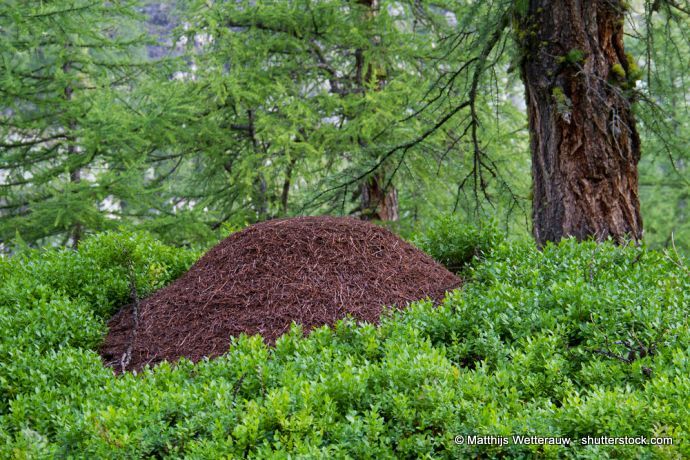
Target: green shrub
{"points": [[53, 307], [456, 244], [543, 343], [96, 273]]}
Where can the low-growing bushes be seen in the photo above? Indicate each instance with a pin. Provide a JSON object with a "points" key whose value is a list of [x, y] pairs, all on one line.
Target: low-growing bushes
{"points": [[457, 244], [577, 340]]}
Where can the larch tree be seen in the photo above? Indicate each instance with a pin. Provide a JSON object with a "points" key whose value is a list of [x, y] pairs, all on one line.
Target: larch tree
{"points": [[584, 140], [302, 95], [379, 198], [372, 108], [67, 67], [581, 89]]}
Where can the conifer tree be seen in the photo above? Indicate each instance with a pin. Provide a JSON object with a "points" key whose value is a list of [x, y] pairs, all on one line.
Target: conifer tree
{"points": [[67, 135], [582, 96], [301, 100], [377, 109]]}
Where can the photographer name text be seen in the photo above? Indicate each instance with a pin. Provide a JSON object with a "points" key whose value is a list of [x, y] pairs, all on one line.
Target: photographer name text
{"points": [[490, 440]]}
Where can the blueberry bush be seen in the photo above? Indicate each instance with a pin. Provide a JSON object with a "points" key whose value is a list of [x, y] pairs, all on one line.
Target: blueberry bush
{"points": [[575, 340]]}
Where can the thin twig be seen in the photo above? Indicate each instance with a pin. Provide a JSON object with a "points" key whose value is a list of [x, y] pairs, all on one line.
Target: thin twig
{"points": [[134, 296]]}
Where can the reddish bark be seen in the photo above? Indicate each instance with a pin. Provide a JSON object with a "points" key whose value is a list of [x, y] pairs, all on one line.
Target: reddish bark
{"points": [[585, 147]]}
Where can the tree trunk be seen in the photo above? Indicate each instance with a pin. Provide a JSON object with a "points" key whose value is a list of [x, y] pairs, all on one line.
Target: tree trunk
{"points": [[286, 185], [259, 192], [378, 203], [75, 172], [585, 147]]}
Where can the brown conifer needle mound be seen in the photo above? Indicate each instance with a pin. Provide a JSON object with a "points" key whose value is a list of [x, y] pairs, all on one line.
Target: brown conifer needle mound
{"points": [[310, 270]]}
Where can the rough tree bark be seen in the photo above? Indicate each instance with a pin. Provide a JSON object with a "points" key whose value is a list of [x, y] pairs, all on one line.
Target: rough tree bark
{"points": [[585, 147], [378, 203]]}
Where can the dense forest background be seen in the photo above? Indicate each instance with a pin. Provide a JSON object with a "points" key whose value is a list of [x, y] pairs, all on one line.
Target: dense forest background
{"points": [[190, 119]]}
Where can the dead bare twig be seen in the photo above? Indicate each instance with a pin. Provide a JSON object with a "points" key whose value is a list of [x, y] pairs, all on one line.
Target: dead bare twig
{"points": [[678, 261], [134, 296]]}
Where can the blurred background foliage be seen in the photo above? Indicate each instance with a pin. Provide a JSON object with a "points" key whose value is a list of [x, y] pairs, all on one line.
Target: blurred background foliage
{"points": [[191, 118]]}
